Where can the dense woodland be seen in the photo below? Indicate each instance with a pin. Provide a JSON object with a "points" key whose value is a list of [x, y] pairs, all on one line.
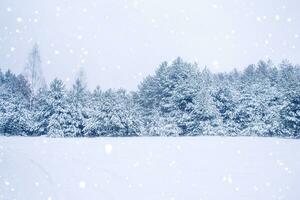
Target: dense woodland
{"points": [[178, 100]]}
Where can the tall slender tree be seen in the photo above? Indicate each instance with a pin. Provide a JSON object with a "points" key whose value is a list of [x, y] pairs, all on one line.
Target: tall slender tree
{"points": [[33, 72]]}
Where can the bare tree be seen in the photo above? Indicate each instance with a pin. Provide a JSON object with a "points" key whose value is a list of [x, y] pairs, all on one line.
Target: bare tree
{"points": [[33, 71]]}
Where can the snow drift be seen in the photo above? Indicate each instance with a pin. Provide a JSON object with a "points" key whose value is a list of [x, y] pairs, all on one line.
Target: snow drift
{"points": [[149, 168]]}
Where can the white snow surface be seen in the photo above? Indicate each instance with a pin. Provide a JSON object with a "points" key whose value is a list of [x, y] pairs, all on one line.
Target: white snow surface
{"points": [[204, 168]]}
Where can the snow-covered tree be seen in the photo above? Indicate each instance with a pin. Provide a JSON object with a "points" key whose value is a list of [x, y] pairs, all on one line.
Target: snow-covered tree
{"points": [[113, 116], [61, 122], [290, 114], [78, 103], [177, 100], [15, 117]]}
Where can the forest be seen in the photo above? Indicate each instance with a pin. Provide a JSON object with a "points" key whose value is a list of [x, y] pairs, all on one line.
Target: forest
{"points": [[179, 99]]}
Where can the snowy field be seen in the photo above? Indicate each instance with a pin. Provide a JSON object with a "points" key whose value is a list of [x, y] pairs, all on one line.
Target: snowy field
{"points": [[149, 168]]}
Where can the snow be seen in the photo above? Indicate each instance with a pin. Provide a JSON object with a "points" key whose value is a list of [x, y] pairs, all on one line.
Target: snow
{"points": [[19, 19], [149, 168]]}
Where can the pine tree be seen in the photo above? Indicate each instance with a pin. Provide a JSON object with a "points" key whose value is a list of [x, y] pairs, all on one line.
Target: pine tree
{"points": [[78, 104], [15, 117], [290, 114], [114, 116]]}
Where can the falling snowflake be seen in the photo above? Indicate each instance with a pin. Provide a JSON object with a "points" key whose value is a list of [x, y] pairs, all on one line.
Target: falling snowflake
{"points": [[108, 148], [19, 19], [214, 6], [258, 19], [82, 184]]}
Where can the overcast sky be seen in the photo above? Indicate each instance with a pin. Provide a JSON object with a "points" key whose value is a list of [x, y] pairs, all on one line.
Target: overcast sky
{"points": [[118, 42]]}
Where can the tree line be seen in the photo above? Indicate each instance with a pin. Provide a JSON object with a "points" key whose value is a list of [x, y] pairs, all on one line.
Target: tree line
{"points": [[179, 99]]}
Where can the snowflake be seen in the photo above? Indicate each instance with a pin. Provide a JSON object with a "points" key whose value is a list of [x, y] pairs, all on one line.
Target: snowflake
{"points": [[214, 6], [79, 37], [266, 42], [289, 20], [19, 19], [277, 17], [215, 63], [258, 19], [172, 163], [12, 49], [255, 188], [8, 9], [108, 148], [136, 164], [227, 179], [82, 184]]}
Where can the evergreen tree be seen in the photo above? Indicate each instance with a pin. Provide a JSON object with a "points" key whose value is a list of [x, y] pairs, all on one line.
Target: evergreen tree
{"points": [[15, 117], [61, 122], [114, 116], [290, 115], [78, 103]]}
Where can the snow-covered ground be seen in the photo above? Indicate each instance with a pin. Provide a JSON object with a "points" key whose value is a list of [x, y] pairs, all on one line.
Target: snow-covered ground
{"points": [[149, 168]]}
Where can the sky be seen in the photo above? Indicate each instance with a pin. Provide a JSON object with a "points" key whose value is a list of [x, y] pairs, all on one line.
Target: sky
{"points": [[119, 42]]}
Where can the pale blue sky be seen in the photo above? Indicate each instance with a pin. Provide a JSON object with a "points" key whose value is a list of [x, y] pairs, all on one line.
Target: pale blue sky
{"points": [[118, 43]]}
